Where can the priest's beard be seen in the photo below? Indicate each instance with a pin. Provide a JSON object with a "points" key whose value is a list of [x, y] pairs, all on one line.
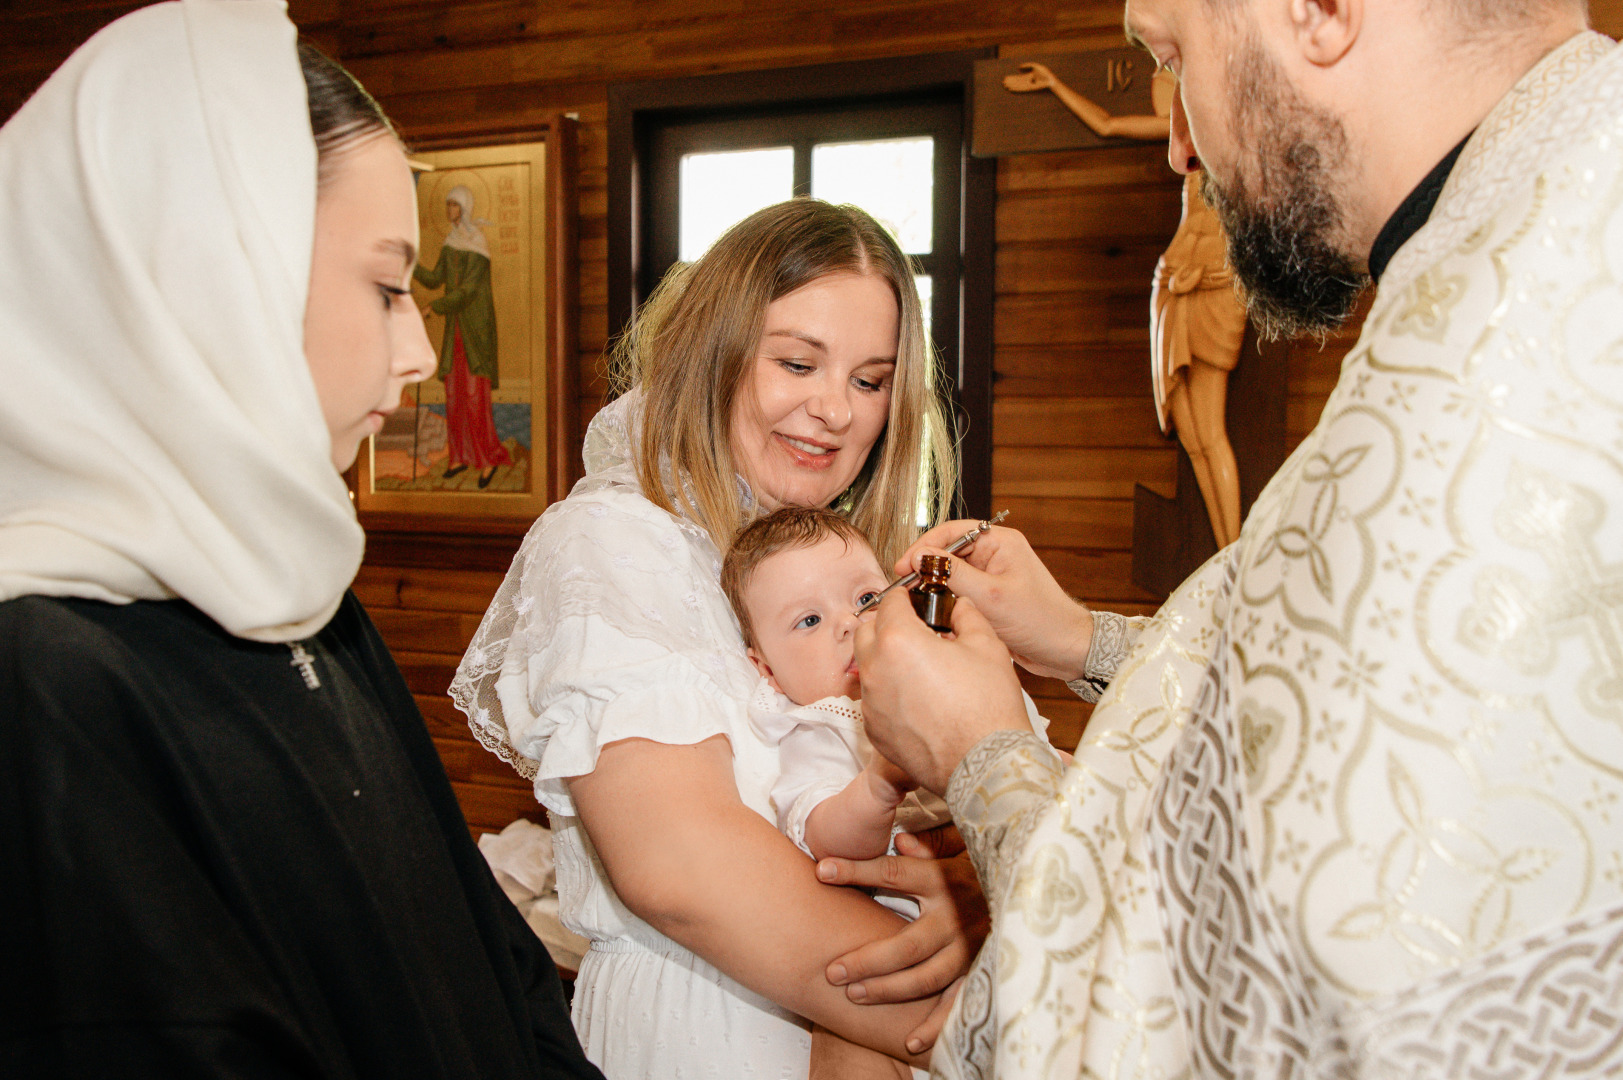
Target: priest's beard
{"points": [[1280, 211]]}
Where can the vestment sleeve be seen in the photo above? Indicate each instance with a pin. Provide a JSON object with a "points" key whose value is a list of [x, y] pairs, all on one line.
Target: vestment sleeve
{"points": [[1113, 638], [621, 634], [997, 794]]}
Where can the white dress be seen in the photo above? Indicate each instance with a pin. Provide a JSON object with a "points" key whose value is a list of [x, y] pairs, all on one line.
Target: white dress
{"points": [[612, 625]]}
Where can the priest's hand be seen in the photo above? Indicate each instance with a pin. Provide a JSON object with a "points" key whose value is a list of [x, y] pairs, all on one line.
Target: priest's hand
{"points": [[1047, 632], [928, 699]]}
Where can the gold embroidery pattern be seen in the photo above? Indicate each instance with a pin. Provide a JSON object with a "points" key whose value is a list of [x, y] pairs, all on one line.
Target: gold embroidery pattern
{"points": [[1431, 298], [1507, 148], [1322, 534], [1517, 621], [1355, 751], [995, 794], [1545, 1008], [1113, 638], [1105, 994]]}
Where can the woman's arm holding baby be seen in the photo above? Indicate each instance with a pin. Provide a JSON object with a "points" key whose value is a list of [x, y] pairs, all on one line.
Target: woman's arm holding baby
{"points": [[686, 855]]}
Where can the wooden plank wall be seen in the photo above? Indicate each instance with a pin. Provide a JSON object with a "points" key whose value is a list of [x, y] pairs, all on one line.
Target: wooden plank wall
{"points": [[1077, 236]]}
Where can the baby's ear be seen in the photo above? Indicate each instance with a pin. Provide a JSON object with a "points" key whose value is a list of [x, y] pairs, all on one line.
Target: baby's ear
{"points": [[762, 668]]}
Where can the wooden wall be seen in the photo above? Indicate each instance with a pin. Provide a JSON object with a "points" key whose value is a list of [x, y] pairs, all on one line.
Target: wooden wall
{"points": [[1077, 237]]}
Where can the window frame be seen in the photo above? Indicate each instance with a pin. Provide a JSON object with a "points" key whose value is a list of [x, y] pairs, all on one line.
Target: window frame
{"points": [[640, 112]]}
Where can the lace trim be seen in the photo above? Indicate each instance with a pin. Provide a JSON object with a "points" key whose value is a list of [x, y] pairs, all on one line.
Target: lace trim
{"points": [[574, 562], [1113, 638], [776, 715]]}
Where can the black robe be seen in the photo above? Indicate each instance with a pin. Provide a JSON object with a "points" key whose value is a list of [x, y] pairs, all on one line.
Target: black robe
{"points": [[210, 868]]}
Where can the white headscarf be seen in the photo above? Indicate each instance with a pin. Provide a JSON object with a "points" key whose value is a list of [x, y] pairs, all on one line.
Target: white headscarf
{"points": [[160, 434], [467, 231]]}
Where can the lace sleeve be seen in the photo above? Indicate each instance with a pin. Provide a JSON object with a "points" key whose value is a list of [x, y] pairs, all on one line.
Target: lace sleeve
{"points": [[610, 625]]}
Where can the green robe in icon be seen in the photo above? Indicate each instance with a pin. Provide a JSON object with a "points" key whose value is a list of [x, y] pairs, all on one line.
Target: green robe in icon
{"points": [[468, 305]]}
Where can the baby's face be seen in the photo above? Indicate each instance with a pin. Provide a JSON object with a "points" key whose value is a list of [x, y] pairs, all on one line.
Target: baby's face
{"points": [[801, 603]]}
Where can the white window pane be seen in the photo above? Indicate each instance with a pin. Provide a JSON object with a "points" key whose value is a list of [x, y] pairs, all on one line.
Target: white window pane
{"points": [[716, 191], [923, 511], [892, 179], [926, 287]]}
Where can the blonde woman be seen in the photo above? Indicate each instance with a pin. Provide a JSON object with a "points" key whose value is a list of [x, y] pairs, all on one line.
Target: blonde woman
{"points": [[788, 366]]}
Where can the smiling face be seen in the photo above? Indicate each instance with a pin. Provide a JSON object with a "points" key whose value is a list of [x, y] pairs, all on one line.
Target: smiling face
{"points": [[363, 337], [817, 393], [801, 605]]}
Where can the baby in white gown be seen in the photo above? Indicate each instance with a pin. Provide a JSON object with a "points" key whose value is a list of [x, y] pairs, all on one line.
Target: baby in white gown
{"points": [[795, 579]]}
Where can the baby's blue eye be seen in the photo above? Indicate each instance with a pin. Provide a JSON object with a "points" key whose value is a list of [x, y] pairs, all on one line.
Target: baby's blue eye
{"points": [[808, 622], [867, 596]]}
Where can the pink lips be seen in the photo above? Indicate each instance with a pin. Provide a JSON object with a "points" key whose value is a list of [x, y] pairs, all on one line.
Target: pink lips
{"points": [[805, 460]]}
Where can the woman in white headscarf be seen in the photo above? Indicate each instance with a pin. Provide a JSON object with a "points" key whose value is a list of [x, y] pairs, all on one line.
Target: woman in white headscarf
{"points": [[227, 847]]}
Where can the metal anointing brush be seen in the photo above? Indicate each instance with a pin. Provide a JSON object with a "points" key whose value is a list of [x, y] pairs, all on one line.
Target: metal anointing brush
{"points": [[952, 549]]}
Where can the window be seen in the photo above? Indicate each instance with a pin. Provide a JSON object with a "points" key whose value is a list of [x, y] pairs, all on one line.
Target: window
{"points": [[689, 157], [888, 158]]}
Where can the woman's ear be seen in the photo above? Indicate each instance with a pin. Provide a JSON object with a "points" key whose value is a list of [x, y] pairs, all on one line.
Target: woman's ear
{"points": [[1326, 30]]}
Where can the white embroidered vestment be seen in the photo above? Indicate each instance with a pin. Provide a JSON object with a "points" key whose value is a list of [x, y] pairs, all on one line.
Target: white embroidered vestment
{"points": [[1353, 803]]}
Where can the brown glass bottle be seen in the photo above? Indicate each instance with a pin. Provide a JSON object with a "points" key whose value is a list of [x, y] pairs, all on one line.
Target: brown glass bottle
{"points": [[931, 598]]}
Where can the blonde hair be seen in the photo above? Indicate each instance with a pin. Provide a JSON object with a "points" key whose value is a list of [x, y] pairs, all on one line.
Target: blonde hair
{"points": [[788, 528], [691, 346]]}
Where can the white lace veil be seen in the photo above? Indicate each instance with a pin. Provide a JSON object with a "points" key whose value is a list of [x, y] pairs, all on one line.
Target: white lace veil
{"points": [[608, 457]]}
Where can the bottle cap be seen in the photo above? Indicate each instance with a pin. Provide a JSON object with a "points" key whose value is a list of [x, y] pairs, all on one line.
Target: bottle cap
{"points": [[935, 567]]}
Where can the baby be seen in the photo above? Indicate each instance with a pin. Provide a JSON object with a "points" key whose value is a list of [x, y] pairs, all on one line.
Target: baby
{"points": [[795, 579]]}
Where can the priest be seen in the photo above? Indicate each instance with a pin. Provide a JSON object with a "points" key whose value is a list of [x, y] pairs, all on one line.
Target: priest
{"points": [[1351, 803]]}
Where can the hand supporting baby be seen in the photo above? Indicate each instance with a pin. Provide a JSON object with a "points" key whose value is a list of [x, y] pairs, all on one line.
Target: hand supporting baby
{"points": [[931, 953]]}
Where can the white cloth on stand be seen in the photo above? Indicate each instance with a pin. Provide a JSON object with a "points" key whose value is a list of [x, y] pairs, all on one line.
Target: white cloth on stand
{"points": [[521, 858]]}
